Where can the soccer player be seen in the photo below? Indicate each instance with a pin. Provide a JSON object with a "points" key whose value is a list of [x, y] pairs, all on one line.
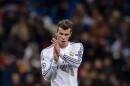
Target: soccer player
{"points": [[60, 61]]}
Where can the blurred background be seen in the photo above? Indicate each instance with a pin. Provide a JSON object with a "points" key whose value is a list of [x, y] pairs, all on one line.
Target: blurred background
{"points": [[103, 26]]}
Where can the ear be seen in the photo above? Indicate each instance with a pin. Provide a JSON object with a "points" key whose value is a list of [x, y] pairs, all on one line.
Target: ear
{"points": [[70, 34], [55, 35]]}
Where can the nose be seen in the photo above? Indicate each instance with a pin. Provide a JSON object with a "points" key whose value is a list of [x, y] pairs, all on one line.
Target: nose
{"points": [[63, 37]]}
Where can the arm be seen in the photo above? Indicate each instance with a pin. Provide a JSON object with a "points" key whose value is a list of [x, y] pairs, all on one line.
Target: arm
{"points": [[49, 67], [73, 60]]}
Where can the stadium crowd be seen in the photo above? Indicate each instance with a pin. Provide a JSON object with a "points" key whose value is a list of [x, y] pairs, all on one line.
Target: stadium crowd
{"points": [[103, 26]]}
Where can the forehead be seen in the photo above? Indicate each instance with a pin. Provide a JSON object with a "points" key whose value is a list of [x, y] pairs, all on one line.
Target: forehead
{"points": [[63, 31]]}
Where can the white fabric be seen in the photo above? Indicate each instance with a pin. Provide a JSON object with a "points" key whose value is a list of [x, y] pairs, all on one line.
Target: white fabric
{"points": [[63, 72]]}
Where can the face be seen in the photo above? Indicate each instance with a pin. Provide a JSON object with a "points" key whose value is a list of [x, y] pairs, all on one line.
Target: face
{"points": [[63, 36]]}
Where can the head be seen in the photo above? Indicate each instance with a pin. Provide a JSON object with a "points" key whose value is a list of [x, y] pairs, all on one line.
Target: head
{"points": [[64, 31], [15, 79]]}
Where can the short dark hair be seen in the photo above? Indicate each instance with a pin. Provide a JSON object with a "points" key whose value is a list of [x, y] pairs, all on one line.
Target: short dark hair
{"points": [[65, 24]]}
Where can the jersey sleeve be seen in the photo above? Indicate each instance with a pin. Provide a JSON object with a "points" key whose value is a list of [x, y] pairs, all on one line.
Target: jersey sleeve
{"points": [[73, 60], [48, 66]]}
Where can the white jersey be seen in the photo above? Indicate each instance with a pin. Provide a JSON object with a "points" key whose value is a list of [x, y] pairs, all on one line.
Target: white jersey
{"points": [[63, 72]]}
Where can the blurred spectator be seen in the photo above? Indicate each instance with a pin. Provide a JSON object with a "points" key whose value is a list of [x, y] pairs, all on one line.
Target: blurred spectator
{"points": [[30, 80], [15, 80]]}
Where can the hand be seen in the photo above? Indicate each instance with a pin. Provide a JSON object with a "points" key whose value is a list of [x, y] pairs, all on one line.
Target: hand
{"points": [[56, 57], [56, 50]]}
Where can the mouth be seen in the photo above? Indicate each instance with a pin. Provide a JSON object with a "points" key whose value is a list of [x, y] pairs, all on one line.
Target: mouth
{"points": [[63, 41]]}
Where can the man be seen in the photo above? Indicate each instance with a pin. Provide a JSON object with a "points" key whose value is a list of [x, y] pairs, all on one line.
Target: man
{"points": [[61, 60]]}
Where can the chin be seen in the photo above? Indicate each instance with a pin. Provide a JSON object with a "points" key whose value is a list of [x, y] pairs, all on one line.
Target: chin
{"points": [[63, 45]]}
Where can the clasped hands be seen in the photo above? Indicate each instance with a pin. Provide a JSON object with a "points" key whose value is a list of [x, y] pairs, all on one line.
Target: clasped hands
{"points": [[56, 49]]}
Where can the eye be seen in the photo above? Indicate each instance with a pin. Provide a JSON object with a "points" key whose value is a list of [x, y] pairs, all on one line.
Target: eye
{"points": [[66, 34], [61, 33]]}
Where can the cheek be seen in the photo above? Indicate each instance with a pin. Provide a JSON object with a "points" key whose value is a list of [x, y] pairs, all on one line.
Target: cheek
{"points": [[58, 38], [67, 37]]}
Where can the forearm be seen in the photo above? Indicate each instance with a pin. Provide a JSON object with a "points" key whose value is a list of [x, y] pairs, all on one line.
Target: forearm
{"points": [[74, 61], [50, 71]]}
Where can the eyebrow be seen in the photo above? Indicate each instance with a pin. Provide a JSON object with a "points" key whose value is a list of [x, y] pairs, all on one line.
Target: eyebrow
{"points": [[64, 33]]}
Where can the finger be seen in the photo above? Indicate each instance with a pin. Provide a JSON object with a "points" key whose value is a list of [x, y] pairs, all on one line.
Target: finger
{"points": [[57, 50], [54, 41], [53, 45]]}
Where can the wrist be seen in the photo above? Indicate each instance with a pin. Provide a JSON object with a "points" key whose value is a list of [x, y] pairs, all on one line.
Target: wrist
{"points": [[56, 58], [54, 62]]}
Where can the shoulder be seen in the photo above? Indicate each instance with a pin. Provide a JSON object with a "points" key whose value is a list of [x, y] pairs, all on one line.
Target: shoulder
{"points": [[47, 49], [78, 44]]}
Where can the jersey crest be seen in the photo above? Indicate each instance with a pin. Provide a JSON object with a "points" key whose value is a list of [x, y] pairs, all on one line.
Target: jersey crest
{"points": [[71, 53]]}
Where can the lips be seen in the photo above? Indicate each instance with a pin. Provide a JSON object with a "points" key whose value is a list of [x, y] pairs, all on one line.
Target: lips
{"points": [[63, 41]]}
